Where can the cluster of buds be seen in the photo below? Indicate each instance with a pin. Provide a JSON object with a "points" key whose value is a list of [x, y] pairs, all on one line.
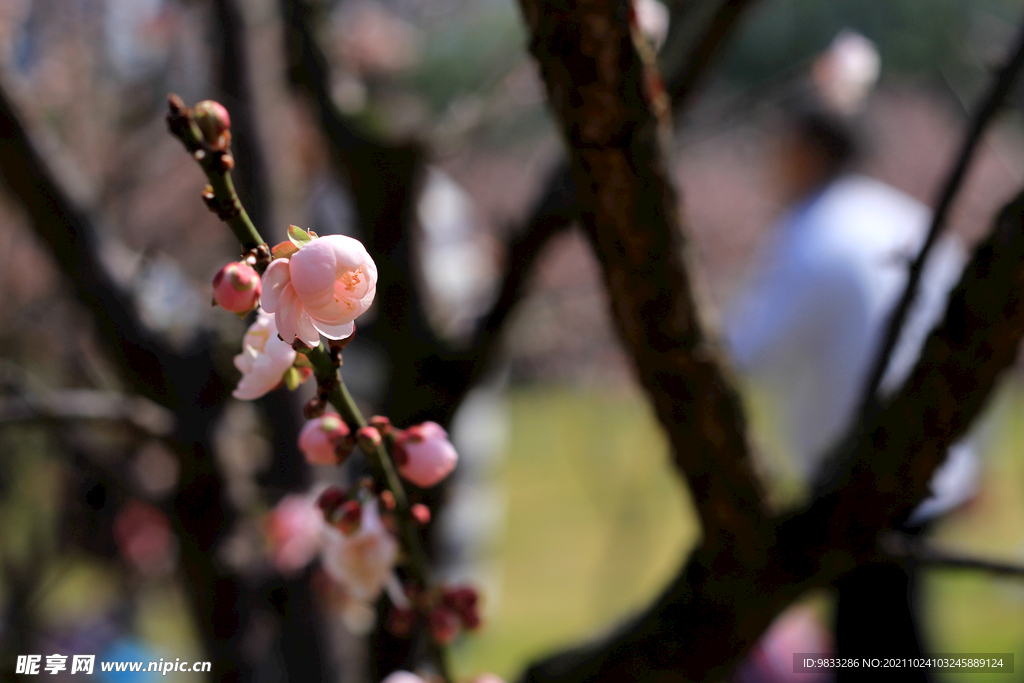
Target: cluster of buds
{"points": [[447, 611]]}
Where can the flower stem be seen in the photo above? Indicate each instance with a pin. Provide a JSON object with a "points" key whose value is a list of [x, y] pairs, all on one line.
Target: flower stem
{"points": [[221, 198], [339, 397], [220, 195]]}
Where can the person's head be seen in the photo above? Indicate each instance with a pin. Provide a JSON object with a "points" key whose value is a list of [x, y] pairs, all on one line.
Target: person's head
{"points": [[816, 147]]}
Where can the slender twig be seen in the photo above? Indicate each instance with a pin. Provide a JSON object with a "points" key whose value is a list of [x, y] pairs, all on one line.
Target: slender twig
{"points": [[991, 106], [84, 404], [220, 195], [707, 49], [899, 546]]}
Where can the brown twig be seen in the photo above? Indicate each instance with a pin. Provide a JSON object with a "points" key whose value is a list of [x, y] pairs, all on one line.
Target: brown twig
{"points": [[991, 105]]}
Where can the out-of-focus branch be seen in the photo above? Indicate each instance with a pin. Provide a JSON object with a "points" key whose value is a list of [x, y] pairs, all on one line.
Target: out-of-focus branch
{"points": [[184, 382], [85, 404], [915, 550], [682, 85], [615, 119], [556, 209], [725, 597], [991, 106], [235, 80]]}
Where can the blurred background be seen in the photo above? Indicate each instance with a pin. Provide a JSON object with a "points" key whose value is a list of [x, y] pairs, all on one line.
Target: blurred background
{"points": [[134, 493]]}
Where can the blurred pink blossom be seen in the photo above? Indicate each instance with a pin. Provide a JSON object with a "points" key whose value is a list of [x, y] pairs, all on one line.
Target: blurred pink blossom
{"points": [[294, 531], [362, 562]]}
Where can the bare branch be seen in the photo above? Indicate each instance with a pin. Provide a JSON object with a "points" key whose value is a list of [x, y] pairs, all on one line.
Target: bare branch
{"points": [[991, 106], [902, 547], [84, 404]]}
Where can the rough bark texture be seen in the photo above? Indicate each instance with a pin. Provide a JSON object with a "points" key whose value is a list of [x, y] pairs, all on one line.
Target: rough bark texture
{"points": [[605, 97]]}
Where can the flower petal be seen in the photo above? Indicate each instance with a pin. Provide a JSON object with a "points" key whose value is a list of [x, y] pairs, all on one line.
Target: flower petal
{"points": [[313, 271], [287, 315], [275, 279], [342, 331]]}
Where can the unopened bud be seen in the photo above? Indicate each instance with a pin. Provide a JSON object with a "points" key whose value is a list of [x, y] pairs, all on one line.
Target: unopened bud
{"points": [[349, 515], [314, 408], [319, 439], [444, 624], [368, 438], [214, 123], [421, 513], [330, 500], [237, 287]]}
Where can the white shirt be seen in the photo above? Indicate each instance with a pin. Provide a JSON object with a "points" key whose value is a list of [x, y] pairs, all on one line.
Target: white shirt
{"points": [[810, 324]]}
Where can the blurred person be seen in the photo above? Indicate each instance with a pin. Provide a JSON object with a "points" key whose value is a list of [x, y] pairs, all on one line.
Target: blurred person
{"points": [[809, 326]]}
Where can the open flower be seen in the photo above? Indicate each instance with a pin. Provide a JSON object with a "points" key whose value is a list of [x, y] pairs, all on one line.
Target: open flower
{"points": [[320, 288], [424, 454], [362, 562], [264, 359]]}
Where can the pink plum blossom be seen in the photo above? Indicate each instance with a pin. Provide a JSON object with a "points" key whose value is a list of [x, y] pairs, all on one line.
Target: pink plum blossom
{"points": [[324, 285], [294, 530], [488, 678], [322, 438], [236, 287], [424, 454], [362, 562], [264, 359]]}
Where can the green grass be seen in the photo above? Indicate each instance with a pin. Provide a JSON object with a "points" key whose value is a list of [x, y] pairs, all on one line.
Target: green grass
{"points": [[598, 521]]}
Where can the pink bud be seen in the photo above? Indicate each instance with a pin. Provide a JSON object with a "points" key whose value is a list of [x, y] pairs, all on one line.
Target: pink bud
{"points": [[214, 123], [463, 600], [320, 439], [237, 287], [350, 515], [424, 454], [330, 500], [368, 437], [421, 513], [444, 624], [488, 678]]}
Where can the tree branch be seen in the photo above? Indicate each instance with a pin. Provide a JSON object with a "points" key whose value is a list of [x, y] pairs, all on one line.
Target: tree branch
{"points": [[902, 547], [991, 106], [606, 98]]}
